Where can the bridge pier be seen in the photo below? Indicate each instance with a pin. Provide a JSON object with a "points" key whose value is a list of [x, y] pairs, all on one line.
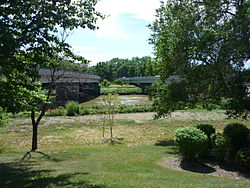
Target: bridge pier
{"points": [[88, 91], [67, 92], [79, 92]]}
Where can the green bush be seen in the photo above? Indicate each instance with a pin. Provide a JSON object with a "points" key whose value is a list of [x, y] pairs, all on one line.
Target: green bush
{"points": [[87, 111], [72, 108], [220, 146], [191, 142], [207, 129], [3, 117], [242, 159], [105, 83], [118, 82], [237, 134], [121, 90], [60, 111]]}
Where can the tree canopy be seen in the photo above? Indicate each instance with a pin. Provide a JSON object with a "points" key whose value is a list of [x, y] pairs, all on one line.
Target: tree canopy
{"points": [[207, 43], [118, 68], [32, 36]]}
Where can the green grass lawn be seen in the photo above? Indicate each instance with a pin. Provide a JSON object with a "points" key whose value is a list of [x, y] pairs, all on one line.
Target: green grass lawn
{"points": [[74, 154]]}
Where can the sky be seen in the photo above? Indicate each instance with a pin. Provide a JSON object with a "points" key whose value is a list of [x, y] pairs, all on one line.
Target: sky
{"points": [[123, 34]]}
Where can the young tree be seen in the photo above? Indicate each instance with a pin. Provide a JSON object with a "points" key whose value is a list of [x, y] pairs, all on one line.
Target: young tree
{"points": [[207, 43], [111, 104], [29, 40]]}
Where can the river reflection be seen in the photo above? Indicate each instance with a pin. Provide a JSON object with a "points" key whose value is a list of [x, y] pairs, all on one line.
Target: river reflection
{"points": [[129, 100]]}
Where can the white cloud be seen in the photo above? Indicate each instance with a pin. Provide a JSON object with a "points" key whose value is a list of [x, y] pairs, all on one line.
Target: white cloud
{"points": [[110, 26]]}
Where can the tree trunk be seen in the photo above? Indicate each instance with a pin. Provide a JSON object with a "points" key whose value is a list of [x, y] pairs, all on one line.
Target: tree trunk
{"points": [[111, 131], [34, 137]]}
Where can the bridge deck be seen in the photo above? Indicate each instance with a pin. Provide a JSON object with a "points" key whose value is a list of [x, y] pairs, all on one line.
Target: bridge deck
{"points": [[66, 76]]}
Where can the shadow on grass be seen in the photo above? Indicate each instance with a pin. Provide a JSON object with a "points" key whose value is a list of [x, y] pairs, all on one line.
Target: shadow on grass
{"points": [[172, 149], [28, 156], [165, 143], [13, 175], [196, 166]]}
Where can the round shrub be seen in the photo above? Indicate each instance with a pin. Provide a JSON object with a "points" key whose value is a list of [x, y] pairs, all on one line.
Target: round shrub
{"points": [[72, 108], [237, 134], [220, 146], [191, 142], [242, 159], [207, 129]]}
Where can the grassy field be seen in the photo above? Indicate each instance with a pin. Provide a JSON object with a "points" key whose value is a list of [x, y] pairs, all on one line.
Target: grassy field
{"points": [[72, 153]]}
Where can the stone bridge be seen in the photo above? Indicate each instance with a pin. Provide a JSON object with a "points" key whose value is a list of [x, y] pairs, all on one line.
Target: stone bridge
{"points": [[74, 86]]}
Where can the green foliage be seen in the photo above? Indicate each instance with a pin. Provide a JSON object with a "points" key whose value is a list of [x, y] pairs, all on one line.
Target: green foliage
{"points": [[72, 66], [60, 111], [87, 111], [121, 90], [105, 83], [238, 107], [134, 109], [118, 82], [31, 40], [118, 68], [97, 109], [207, 129], [3, 117], [111, 104], [191, 142], [237, 134], [242, 159], [206, 45], [220, 145], [167, 98], [72, 108]]}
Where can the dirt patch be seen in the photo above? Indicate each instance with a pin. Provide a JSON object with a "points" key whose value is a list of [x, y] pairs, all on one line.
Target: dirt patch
{"points": [[208, 166]]}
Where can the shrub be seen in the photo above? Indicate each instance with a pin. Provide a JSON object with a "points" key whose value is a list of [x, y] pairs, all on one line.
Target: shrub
{"points": [[118, 82], [60, 111], [121, 90], [207, 129], [87, 111], [105, 83], [72, 108], [242, 159], [133, 109], [237, 134], [191, 142], [220, 146], [3, 117]]}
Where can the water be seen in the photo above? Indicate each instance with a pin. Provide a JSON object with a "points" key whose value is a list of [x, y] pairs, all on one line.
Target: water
{"points": [[134, 100]]}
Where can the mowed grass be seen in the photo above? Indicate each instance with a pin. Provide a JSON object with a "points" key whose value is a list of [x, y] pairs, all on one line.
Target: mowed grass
{"points": [[74, 154]]}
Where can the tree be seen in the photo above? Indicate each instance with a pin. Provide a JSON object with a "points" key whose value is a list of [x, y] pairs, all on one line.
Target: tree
{"points": [[207, 43], [29, 40], [111, 104], [118, 68]]}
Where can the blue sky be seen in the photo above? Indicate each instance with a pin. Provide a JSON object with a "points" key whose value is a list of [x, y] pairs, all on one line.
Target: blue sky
{"points": [[124, 33]]}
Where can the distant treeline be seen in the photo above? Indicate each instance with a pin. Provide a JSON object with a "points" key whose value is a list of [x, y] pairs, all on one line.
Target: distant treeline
{"points": [[118, 68]]}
